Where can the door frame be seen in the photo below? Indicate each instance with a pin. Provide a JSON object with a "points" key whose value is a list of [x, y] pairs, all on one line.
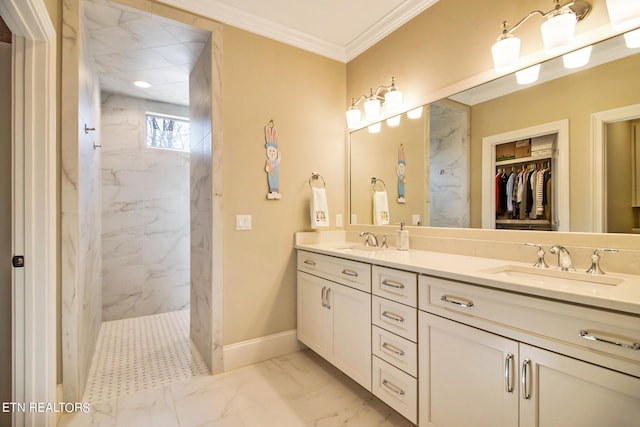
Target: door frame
{"points": [[599, 123], [34, 203]]}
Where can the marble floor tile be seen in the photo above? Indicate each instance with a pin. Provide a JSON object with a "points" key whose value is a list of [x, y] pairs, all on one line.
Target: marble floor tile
{"points": [[296, 389]]}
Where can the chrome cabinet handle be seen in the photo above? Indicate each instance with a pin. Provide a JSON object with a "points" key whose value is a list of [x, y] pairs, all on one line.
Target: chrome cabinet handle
{"points": [[310, 262], [328, 301], [393, 316], [463, 302], [393, 284], [526, 392], [392, 348], [590, 336], [351, 273], [508, 373], [324, 295], [394, 388]]}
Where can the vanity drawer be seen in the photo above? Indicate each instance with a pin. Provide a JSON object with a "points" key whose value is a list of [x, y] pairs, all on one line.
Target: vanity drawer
{"points": [[395, 388], [598, 336], [347, 272], [396, 285], [397, 318], [395, 350]]}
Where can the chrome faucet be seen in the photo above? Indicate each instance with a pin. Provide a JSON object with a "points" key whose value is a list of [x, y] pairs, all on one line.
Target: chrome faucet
{"points": [[564, 258], [541, 262], [369, 238], [595, 261]]}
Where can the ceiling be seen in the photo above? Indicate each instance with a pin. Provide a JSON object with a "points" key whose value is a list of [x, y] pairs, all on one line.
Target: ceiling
{"points": [[129, 45]]}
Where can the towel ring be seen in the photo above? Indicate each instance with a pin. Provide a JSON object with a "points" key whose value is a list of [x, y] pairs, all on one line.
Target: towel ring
{"points": [[314, 177], [375, 181]]}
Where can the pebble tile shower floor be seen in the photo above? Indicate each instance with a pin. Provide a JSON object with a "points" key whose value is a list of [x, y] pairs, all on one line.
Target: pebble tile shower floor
{"points": [[142, 353]]}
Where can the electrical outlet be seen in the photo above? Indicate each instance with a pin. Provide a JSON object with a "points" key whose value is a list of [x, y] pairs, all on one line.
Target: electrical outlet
{"points": [[338, 220]]}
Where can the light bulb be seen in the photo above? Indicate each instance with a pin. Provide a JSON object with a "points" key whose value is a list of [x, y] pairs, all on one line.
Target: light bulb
{"points": [[624, 14], [506, 53], [393, 121], [375, 128], [353, 118], [557, 31], [528, 75], [416, 113], [632, 39], [578, 58], [393, 100], [372, 108]]}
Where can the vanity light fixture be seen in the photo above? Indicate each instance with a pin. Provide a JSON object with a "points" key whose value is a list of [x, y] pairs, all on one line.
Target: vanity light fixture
{"points": [[624, 14], [557, 33], [416, 113], [578, 58], [392, 101], [142, 84], [393, 121], [375, 128], [632, 39], [528, 75]]}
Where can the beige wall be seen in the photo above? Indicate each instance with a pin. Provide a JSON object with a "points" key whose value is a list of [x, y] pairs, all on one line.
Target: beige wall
{"points": [[304, 94]]}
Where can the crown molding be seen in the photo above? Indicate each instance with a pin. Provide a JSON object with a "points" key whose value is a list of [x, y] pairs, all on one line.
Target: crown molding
{"points": [[388, 24], [256, 24]]}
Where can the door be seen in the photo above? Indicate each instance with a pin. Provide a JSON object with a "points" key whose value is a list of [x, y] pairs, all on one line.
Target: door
{"points": [[467, 376], [5, 229], [567, 392], [351, 346], [314, 321]]}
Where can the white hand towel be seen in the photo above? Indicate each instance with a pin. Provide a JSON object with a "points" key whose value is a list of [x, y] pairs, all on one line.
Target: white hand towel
{"points": [[380, 208], [319, 208]]}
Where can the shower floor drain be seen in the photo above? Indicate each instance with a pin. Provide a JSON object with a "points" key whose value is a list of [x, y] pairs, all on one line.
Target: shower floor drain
{"points": [[141, 353]]}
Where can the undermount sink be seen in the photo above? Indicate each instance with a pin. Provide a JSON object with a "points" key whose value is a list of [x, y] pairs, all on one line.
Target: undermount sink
{"points": [[551, 275], [356, 247]]}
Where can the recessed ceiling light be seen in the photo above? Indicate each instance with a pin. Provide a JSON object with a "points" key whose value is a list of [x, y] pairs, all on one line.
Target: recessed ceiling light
{"points": [[142, 84]]}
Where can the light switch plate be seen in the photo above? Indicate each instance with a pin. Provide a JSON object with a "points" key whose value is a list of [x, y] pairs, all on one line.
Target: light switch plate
{"points": [[243, 222], [415, 219], [338, 220]]}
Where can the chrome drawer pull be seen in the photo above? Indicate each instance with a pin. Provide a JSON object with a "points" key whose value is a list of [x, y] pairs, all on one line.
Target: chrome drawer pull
{"points": [[350, 272], [328, 300], [526, 392], [324, 295], [394, 388], [310, 262], [508, 373], [393, 316], [588, 336], [463, 302], [392, 284], [393, 349]]}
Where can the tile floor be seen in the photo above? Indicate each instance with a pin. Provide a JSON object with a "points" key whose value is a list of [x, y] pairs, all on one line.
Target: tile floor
{"points": [[298, 389]]}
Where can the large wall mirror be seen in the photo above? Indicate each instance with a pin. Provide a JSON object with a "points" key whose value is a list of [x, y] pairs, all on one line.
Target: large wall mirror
{"points": [[435, 160]]}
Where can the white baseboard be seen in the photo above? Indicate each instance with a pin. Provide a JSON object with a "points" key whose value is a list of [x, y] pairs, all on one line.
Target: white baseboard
{"points": [[259, 349]]}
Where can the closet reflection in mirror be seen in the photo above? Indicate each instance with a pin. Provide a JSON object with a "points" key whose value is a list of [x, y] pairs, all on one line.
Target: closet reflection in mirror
{"points": [[494, 108]]}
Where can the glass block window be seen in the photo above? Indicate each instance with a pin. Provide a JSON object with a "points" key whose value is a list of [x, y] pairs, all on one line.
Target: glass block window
{"points": [[167, 132]]}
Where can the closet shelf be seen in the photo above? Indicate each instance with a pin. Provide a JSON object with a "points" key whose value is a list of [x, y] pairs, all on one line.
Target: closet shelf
{"points": [[523, 160]]}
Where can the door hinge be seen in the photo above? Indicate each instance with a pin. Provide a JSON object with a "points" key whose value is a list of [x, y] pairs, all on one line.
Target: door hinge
{"points": [[18, 261]]}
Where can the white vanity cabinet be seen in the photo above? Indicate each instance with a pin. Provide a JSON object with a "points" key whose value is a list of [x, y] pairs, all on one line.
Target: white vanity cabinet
{"points": [[394, 337], [334, 312], [492, 358]]}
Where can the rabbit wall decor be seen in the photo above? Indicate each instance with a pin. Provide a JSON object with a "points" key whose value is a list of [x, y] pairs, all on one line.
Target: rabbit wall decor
{"points": [[273, 161]]}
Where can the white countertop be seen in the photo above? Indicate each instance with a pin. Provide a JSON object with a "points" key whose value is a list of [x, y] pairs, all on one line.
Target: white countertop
{"points": [[624, 297]]}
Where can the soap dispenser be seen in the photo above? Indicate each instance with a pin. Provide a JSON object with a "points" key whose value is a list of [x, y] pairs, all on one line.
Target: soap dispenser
{"points": [[403, 238]]}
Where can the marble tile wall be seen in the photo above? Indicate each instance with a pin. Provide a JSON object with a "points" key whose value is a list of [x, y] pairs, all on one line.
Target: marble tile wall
{"points": [[145, 214], [206, 206], [80, 235], [449, 153]]}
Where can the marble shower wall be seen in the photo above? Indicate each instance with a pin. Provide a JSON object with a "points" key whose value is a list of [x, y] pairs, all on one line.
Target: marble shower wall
{"points": [[145, 214], [80, 232], [449, 151], [206, 207]]}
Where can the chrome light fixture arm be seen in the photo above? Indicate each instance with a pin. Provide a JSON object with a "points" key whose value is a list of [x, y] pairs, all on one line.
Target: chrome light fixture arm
{"points": [[580, 8]]}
